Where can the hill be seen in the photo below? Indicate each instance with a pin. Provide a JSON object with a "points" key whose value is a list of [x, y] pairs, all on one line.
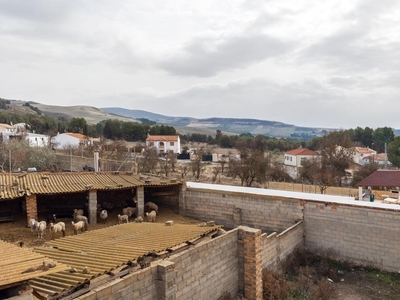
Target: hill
{"points": [[183, 125], [227, 125]]}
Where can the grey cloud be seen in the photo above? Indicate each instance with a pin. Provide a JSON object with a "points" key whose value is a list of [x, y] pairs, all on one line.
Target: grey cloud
{"points": [[206, 57]]}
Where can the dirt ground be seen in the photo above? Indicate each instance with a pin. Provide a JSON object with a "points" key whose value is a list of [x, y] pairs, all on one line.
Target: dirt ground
{"points": [[18, 231]]}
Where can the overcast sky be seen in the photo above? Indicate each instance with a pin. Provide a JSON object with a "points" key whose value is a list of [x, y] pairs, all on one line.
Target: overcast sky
{"points": [[329, 63]]}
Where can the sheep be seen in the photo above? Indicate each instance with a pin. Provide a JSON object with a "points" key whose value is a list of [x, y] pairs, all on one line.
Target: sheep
{"points": [[139, 219], [123, 218], [83, 219], [32, 225], [130, 211], [78, 226], [151, 216], [41, 228], [77, 212], [149, 206], [58, 227], [103, 216]]}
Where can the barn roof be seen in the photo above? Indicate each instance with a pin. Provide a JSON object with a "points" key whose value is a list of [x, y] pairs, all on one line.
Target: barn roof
{"points": [[109, 250], [382, 178], [18, 185], [18, 265]]}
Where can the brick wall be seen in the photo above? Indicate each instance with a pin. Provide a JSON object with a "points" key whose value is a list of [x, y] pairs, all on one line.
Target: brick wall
{"points": [[206, 271], [362, 234], [267, 213], [142, 285], [276, 247], [209, 269]]}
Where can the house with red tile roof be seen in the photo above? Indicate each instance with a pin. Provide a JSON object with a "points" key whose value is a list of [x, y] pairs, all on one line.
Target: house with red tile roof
{"points": [[164, 143], [294, 160], [65, 140], [359, 153], [382, 178]]}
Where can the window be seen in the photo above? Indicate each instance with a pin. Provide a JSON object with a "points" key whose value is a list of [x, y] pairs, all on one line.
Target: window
{"points": [[151, 143], [302, 160], [171, 143]]}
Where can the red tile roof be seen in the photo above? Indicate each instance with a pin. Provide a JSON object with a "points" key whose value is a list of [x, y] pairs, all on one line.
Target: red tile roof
{"points": [[301, 151], [163, 138], [382, 178]]}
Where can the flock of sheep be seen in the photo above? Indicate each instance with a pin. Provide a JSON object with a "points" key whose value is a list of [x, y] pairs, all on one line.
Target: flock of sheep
{"points": [[80, 222]]}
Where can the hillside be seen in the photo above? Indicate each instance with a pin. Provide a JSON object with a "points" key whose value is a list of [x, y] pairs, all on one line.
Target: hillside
{"points": [[183, 125], [227, 125]]}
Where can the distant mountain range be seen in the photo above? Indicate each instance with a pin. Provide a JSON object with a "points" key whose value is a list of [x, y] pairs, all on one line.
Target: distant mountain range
{"points": [[226, 125], [183, 125]]}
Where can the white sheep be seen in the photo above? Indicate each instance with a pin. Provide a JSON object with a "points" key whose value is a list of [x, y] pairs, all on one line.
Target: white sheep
{"points": [[149, 206], [151, 216], [78, 226], [83, 219], [32, 225], [139, 219], [41, 228], [77, 212], [123, 218], [130, 211], [55, 228], [103, 216]]}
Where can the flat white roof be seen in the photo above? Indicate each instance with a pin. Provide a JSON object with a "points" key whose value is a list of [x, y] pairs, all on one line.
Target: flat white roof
{"points": [[293, 195]]}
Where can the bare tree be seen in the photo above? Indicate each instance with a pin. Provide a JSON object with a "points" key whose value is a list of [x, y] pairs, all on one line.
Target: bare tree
{"points": [[196, 162], [319, 173], [147, 161], [215, 173]]}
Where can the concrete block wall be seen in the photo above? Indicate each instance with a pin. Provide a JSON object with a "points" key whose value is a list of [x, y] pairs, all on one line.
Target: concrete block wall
{"points": [[141, 285], [366, 235], [208, 270], [267, 213], [276, 247]]}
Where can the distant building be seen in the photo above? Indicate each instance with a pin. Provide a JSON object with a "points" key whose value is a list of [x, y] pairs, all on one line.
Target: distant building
{"points": [[294, 160], [7, 128], [380, 159], [74, 140], [359, 153], [164, 143]]}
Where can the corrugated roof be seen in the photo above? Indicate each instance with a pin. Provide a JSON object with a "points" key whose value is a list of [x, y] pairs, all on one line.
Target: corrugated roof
{"points": [[12, 187], [16, 260], [163, 138], [301, 151], [107, 249], [382, 178]]}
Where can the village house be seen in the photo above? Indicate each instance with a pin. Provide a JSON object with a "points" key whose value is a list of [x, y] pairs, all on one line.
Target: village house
{"points": [[164, 143], [64, 140], [294, 160], [359, 153]]}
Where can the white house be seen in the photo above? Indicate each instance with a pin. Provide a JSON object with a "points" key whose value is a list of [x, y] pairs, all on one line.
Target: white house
{"points": [[64, 140], [164, 143], [34, 139], [359, 153], [294, 160], [380, 159], [6, 128]]}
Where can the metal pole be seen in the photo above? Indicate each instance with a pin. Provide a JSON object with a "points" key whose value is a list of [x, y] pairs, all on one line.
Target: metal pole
{"points": [[9, 159], [70, 151]]}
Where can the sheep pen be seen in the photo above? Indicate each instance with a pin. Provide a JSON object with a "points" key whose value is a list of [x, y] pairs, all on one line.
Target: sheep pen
{"points": [[20, 232]]}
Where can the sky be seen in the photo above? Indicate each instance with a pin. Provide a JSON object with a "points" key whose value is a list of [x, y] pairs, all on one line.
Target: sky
{"points": [[331, 64]]}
